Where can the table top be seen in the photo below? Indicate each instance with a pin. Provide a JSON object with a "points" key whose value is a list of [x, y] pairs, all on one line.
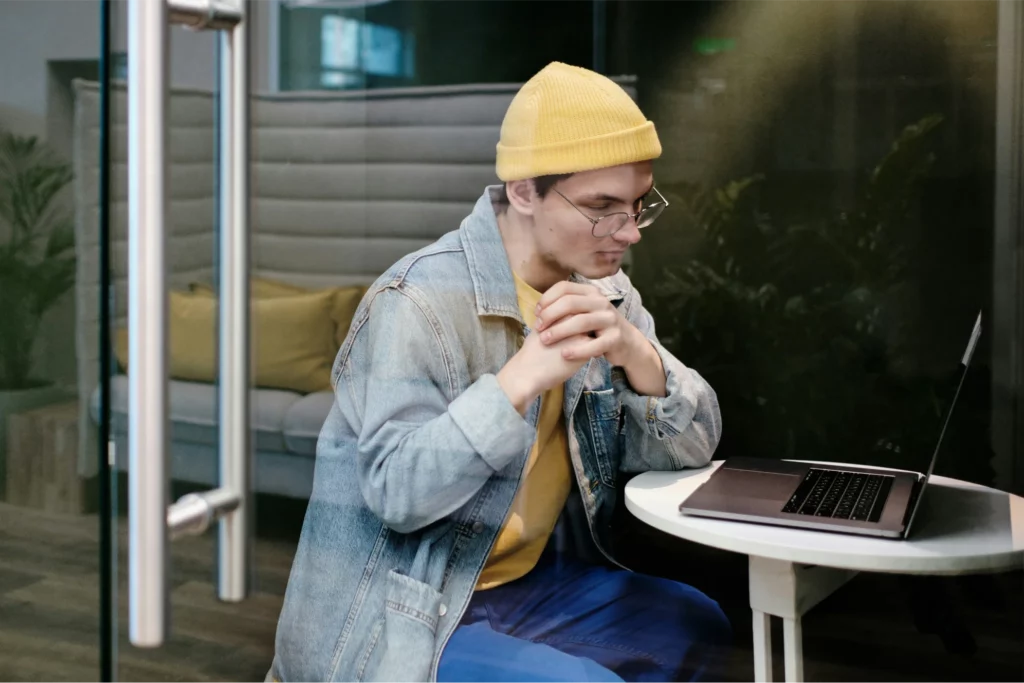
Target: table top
{"points": [[961, 528]]}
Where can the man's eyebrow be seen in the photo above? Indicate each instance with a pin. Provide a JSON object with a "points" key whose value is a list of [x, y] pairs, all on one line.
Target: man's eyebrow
{"points": [[601, 196]]}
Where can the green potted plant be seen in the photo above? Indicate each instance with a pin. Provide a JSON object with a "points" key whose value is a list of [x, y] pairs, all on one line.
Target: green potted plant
{"points": [[37, 267]]}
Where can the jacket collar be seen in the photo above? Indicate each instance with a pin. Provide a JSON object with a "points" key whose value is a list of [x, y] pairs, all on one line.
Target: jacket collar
{"points": [[493, 285]]}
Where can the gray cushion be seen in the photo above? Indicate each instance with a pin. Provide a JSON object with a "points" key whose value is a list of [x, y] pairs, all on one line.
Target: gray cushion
{"points": [[194, 412], [273, 472], [304, 420]]}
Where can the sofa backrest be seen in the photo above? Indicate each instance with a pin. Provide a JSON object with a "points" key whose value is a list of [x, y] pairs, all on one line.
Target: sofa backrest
{"points": [[343, 185]]}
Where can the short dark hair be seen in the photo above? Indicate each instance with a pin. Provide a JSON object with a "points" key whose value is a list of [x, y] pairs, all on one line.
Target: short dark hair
{"points": [[542, 184]]}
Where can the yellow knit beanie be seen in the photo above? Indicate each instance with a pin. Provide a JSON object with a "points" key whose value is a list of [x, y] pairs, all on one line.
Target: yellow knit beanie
{"points": [[568, 119]]}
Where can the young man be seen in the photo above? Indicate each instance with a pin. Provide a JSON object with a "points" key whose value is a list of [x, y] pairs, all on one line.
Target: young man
{"points": [[495, 385]]}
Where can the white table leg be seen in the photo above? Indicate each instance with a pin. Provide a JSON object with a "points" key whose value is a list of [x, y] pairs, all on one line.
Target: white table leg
{"points": [[793, 641], [762, 647], [786, 590]]}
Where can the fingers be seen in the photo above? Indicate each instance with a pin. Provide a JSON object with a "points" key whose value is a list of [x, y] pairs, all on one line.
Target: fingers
{"points": [[584, 323], [563, 288], [588, 348], [570, 304]]}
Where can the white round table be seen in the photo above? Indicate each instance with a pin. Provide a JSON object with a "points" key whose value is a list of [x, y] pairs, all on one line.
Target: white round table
{"points": [[961, 528]]}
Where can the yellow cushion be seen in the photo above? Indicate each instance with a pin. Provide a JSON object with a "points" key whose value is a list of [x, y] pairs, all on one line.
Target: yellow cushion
{"points": [[292, 340], [345, 303]]}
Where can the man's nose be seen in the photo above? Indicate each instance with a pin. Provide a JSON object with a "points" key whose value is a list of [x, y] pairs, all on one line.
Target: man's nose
{"points": [[628, 233]]}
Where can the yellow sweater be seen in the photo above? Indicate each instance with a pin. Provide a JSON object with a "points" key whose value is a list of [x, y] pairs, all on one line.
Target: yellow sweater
{"points": [[545, 486]]}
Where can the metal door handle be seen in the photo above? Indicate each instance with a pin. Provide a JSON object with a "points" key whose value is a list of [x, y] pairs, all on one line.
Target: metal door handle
{"points": [[149, 517]]}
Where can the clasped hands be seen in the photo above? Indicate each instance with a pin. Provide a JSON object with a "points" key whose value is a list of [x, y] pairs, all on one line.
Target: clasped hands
{"points": [[575, 323], [581, 323]]}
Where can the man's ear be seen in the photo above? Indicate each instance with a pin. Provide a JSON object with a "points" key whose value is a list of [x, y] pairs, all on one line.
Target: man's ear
{"points": [[522, 196]]}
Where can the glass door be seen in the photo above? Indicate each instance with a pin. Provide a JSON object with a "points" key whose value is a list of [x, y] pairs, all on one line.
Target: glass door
{"points": [[362, 146], [847, 150], [195, 195], [192, 598]]}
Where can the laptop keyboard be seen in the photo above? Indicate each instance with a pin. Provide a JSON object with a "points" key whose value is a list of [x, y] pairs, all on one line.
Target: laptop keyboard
{"points": [[840, 495]]}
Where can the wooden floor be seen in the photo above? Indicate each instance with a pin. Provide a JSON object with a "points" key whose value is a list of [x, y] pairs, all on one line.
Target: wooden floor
{"points": [[865, 632], [49, 606]]}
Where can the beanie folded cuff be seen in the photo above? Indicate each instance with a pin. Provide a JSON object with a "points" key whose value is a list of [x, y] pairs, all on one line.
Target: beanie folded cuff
{"points": [[574, 156]]}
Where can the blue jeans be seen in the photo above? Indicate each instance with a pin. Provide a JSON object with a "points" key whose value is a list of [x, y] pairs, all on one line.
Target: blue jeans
{"points": [[569, 621]]}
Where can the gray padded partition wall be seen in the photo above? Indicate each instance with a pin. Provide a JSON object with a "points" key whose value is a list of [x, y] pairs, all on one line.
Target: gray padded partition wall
{"points": [[190, 221], [343, 185]]}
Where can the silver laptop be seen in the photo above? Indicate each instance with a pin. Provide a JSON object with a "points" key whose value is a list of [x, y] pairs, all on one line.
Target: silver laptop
{"points": [[847, 499]]}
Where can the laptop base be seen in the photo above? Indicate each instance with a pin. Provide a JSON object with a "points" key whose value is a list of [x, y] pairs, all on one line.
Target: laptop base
{"points": [[759, 490]]}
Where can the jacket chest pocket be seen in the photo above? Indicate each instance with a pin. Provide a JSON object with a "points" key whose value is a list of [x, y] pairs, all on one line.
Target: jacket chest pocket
{"points": [[604, 418], [402, 642]]}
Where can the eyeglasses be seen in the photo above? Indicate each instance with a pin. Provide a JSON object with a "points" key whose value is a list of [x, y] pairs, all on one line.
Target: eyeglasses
{"points": [[609, 224]]}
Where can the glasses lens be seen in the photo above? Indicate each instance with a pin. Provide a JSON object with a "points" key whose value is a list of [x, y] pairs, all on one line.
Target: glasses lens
{"points": [[609, 224], [650, 214]]}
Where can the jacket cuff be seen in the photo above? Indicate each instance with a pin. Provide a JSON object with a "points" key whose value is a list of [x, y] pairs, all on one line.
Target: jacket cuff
{"points": [[669, 415], [491, 424]]}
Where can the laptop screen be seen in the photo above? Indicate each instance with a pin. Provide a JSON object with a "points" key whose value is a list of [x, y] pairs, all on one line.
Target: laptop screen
{"points": [[965, 363]]}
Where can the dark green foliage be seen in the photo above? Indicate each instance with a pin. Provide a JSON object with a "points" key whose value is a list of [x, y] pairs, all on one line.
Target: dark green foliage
{"points": [[37, 262]]}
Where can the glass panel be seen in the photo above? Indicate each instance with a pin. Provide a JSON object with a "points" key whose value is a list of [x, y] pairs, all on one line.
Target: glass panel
{"points": [[828, 242], [347, 46], [827, 246], [50, 560], [207, 639], [830, 293]]}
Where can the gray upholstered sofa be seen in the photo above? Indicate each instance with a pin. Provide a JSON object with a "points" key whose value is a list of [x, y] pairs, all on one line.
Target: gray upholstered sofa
{"points": [[343, 185]]}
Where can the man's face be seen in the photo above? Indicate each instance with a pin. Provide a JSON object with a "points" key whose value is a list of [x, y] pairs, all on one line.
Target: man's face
{"points": [[565, 239]]}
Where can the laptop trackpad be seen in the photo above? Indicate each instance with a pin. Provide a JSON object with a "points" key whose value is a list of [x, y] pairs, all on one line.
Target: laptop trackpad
{"points": [[763, 485]]}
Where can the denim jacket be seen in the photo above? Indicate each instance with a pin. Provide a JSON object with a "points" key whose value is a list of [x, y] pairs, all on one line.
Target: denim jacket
{"points": [[422, 453]]}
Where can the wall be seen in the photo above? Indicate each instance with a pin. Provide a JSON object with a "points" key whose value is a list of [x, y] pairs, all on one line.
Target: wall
{"points": [[34, 34]]}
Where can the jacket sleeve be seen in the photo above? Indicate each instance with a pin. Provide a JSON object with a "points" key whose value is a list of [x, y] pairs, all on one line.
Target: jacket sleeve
{"points": [[423, 450], [678, 430]]}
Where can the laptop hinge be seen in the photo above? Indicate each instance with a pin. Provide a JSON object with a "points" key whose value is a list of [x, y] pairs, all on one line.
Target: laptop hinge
{"points": [[908, 514]]}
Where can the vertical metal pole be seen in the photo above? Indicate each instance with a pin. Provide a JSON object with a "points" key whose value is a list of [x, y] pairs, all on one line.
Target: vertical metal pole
{"points": [[147, 322], [233, 578]]}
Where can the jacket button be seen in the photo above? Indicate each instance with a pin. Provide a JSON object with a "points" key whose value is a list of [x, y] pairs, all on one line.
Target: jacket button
{"points": [[478, 527], [442, 610]]}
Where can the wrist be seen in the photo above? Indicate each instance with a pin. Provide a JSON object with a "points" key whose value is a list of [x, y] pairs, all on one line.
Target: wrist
{"points": [[633, 349], [645, 371], [517, 387]]}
